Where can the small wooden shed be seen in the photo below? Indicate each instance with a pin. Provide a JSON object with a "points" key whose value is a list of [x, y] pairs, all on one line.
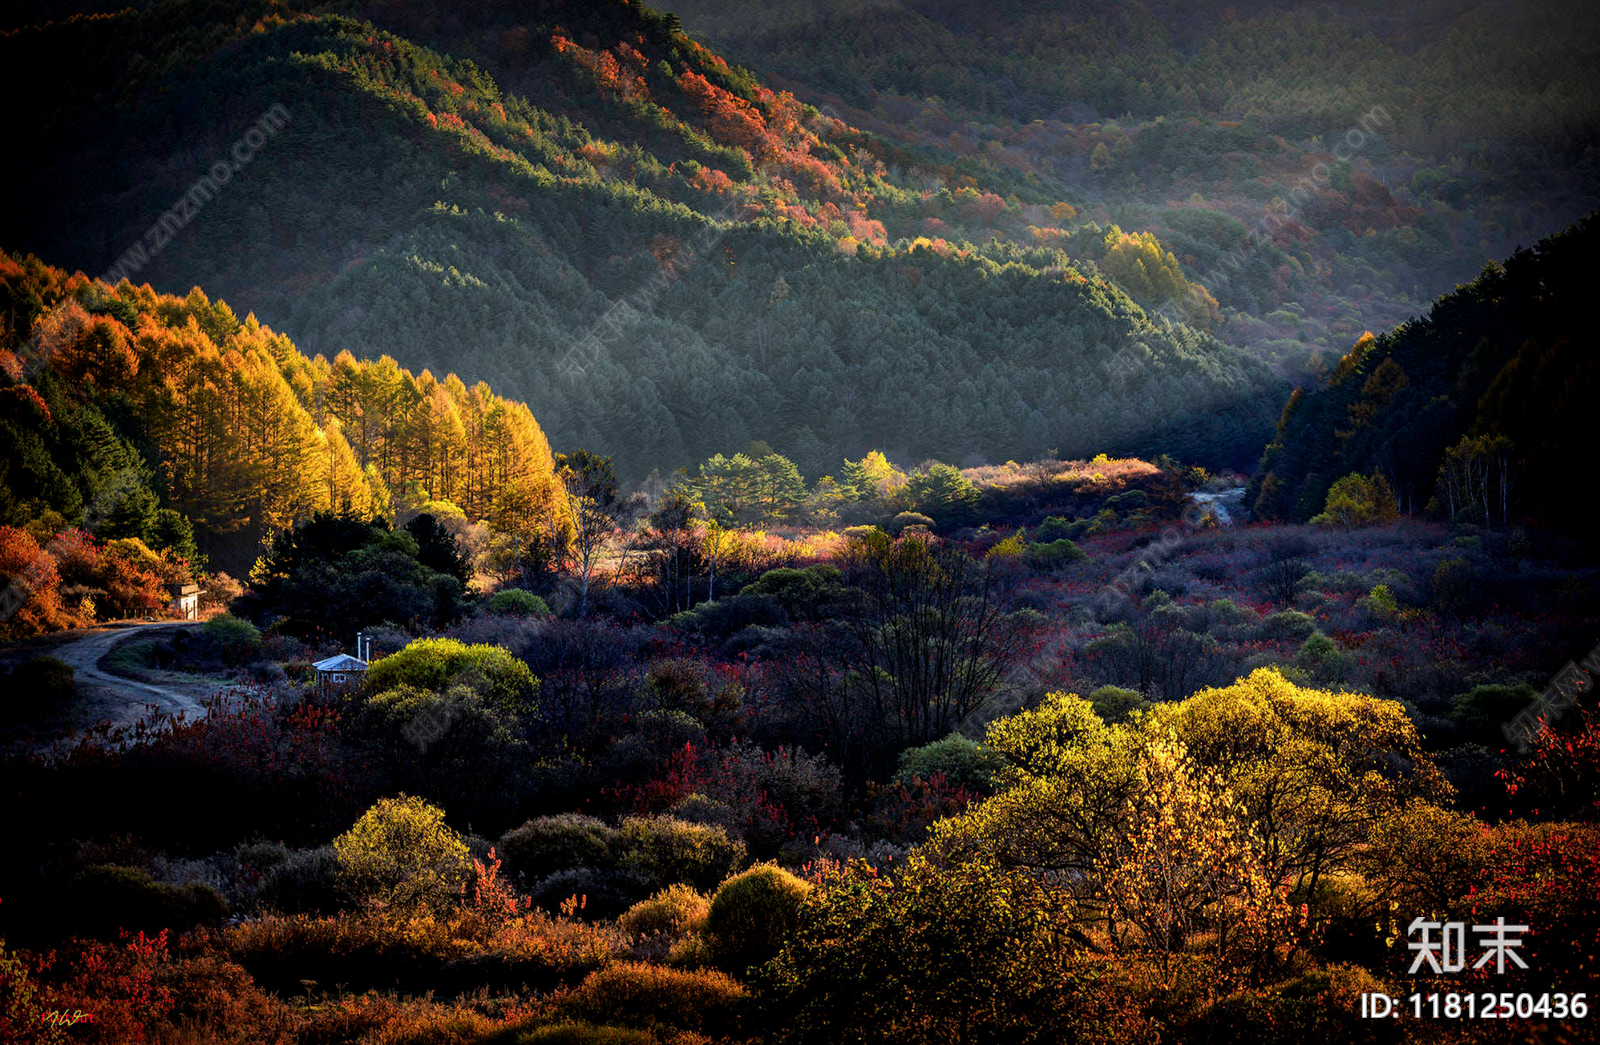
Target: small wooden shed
{"points": [[340, 672]]}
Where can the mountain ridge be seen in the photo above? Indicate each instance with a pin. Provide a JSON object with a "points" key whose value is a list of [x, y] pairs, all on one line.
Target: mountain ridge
{"points": [[400, 162]]}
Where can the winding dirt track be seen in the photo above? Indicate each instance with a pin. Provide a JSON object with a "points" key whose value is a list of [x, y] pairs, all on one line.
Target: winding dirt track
{"points": [[120, 699]]}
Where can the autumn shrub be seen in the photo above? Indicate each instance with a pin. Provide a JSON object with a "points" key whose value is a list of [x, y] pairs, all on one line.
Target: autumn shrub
{"points": [[1291, 625], [255, 858], [123, 984], [698, 808], [453, 748], [1546, 875], [1425, 857], [690, 952], [22, 999], [900, 522], [674, 911], [1123, 999], [532, 946], [359, 950], [401, 854], [596, 893], [690, 686], [1482, 711], [962, 760], [973, 958], [656, 997], [307, 881], [548, 844], [667, 851], [1184, 865], [1358, 501], [1558, 778], [217, 1002], [388, 1018], [1379, 603], [1227, 614], [1315, 1006], [1056, 528], [806, 593], [451, 948], [1268, 737], [1026, 620], [219, 589], [154, 989], [1128, 500], [123, 578], [1323, 658], [901, 812], [1317, 647], [434, 664], [1342, 912], [105, 899], [660, 740], [517, 602], [751, 915], [569, 1033], [233, 640], [1053, 555], [1114, 704], [732, 613], [248, 768], [775, 795]]}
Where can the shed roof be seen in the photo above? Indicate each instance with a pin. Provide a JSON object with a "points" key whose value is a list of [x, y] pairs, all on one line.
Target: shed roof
{"points": [[342, 662]]}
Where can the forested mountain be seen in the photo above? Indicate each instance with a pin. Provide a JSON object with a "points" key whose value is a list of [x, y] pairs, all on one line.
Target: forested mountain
{"points": [[1452, 132], [417, 204], [1475, 409], [139, 415]]}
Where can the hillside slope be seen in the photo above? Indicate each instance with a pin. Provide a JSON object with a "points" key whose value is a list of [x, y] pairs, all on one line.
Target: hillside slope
{"points": [[140, 415], [1412, 143], [412, 205], [1491, 391]]}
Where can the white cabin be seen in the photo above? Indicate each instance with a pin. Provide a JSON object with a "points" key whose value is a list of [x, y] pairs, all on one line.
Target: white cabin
{"points": [[340, 672]]}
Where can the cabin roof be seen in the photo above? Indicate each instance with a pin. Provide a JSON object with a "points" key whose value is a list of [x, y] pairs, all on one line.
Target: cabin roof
{"points": [[342, 662]]}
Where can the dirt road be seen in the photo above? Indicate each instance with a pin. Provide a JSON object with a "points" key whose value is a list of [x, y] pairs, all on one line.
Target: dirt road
{"points": [[116, 698]]}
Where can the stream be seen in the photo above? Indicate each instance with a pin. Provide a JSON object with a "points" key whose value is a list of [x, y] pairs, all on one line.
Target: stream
{"points": [[1227, 505]]}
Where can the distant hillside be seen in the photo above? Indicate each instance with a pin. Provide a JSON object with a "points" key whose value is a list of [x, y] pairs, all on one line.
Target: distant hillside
{"points": [[1413, 142], [1497, 382], [415, 204], [119, 404]]}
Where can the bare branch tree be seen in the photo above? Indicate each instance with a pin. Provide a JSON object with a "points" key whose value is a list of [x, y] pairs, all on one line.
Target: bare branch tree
{"points": [[590, 483]]}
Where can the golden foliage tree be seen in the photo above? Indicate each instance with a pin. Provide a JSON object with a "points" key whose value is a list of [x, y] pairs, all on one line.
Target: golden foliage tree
{"points": [[1152, 276], [251, 435]]}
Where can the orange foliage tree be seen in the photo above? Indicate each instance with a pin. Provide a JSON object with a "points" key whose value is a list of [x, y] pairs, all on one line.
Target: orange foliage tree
{"points": [[26, 569]]}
